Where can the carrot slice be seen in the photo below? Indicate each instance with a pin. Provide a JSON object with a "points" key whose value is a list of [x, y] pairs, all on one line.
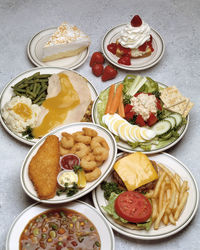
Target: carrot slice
{"points": [[110, 98], [121, 108], [116, 99]]}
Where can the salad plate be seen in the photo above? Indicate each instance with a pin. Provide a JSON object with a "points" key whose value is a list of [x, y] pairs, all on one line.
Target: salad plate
{"points": [[155, 145], [104, 230], [105, 168], [34, 51], [8, 93], [139, 63], [174, 165]]}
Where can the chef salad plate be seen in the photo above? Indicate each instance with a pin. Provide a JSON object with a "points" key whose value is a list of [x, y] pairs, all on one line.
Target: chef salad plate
{"points": [[35, 52], [138, 63]]}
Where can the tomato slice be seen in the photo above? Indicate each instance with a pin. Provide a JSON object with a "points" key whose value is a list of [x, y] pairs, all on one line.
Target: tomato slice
{"points": [[133, 207]]}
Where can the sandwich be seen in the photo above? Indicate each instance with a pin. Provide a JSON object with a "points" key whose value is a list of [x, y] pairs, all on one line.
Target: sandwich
{"points": [[134, 175]]}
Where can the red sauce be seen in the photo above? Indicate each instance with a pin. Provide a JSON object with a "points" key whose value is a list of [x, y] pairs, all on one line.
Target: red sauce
{"points": [[69, 161]]}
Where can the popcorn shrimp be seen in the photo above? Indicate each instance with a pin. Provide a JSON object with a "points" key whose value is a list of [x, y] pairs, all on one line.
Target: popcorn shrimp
{"points": [[80, 149], [91, 176], [101, 154], [80, 137], [67, 140], [99, 141], [88, 163], [89, 132]]}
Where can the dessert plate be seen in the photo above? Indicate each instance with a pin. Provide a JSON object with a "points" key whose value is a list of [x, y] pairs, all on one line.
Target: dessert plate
{"points": [[186, 216], [34, 51], [71, 128], [7, 93], [124, 146], [103, 228], [139, 63]]}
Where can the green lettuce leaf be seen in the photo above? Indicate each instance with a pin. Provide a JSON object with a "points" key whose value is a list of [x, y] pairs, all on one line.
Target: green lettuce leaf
{"points": [[149, 86]]}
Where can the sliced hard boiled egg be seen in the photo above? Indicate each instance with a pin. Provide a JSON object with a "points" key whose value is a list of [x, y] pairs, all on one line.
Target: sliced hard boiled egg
{"points": [[121, 131], [115, 125], [105, 118], [137, 134], [147, 134], [127, 134], [132, 133]]}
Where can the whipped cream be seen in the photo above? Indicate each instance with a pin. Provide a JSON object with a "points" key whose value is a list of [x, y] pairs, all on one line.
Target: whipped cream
{"points": [[133, 37]]}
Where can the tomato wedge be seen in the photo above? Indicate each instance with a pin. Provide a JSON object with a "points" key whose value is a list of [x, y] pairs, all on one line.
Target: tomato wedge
{"points": [[133, 207]]}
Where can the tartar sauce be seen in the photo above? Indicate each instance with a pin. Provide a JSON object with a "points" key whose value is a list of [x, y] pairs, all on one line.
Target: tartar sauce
{"points": [[68, 177]]}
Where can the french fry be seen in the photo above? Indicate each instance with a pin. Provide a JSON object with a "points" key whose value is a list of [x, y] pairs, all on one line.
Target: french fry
{"points": [[184, 188], [171, 219], [159, 217], [178, 179], [165, 219], [176, 201], [170, 174], [160, 180], [154, 209], [181, 206], [161, 196], [173, 195], [168, 193]]}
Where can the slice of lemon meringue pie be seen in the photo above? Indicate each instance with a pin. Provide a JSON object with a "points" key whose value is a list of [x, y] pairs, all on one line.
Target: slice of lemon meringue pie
{"points": [[68, 40]]}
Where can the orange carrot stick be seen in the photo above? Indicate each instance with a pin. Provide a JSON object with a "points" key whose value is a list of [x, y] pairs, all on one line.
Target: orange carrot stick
{"points": [[110, 98], [116, 99], [121, 108]]}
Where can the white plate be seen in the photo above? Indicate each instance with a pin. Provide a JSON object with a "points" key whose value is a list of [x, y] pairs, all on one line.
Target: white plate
{"points": [[103, 228], [34, 51], [125, 147], [164, 231], [71, 128], [7, 93], [138, 63]]}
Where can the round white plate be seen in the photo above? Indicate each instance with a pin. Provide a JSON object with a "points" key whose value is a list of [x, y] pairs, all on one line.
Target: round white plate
{"points": [[138, 63], [125, 147], [106, 167], [34, 51], [103, 228], [164, 231], [7, 93]]}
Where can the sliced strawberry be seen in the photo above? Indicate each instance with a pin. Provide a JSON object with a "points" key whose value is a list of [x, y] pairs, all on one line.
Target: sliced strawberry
{"points": [[126, 60], [112, 47], [158, 104], [137, 94], [152, 119], [125, 51], [136, 21], [129, 115], [140, 121], [127, 108]]}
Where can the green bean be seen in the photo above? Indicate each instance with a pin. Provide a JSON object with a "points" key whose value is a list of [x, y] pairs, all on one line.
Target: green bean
{"points": [[38, 98], [43, 76], [30, 93], [20, 90]]}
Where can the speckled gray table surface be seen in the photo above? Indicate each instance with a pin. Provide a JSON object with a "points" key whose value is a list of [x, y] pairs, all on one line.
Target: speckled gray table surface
{"points": [[179, 24]]}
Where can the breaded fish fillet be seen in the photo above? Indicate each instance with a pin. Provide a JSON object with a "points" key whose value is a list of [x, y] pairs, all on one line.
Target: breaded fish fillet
{"points": [[44, 168]]}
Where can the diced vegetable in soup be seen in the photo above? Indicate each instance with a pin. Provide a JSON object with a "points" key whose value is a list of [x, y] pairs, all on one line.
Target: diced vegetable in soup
{"points": [[60, 229]]}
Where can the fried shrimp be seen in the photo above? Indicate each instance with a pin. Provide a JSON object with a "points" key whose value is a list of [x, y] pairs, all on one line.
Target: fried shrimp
{"points": [[67, 140], [80, 137], [91, 176], [99, 141], [88, 163], [64, 151], [100, 153], [80, 149], [89, 132]]}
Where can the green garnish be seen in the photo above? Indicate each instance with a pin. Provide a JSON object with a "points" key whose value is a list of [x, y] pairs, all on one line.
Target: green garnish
{"points": [[70, 191], [28, 133], [77, 168], [110, 187]]}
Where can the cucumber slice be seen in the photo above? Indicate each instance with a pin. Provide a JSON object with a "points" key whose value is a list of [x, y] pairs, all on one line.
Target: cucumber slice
{"points": [[178, 118], [162, 127], [166, 136], [172, 120]]}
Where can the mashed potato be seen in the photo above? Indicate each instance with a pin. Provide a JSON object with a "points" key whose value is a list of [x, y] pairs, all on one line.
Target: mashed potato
{"points": [[19, 113]]}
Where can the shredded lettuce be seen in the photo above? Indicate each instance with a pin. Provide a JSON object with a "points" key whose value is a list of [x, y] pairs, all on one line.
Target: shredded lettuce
{"points": [[110, 209]]}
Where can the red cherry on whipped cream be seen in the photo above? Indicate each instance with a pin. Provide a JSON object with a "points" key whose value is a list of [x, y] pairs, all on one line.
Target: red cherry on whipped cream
{"points": [[136, 21]]}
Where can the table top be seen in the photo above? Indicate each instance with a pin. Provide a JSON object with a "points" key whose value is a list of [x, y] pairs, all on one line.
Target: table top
{"points": [[178, 22]]}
